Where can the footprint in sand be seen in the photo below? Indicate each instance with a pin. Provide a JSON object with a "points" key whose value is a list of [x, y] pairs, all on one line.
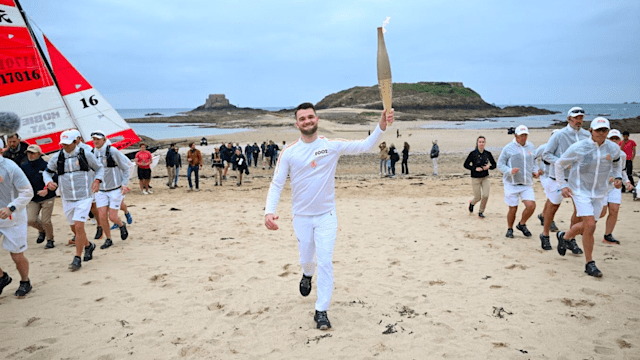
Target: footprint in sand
{"points": [[514, 266], [576, 303], [437, 282]]}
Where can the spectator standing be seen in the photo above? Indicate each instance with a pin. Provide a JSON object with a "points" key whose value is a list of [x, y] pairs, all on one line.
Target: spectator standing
{"points": [[256, 152], [248, 152], [241, 165], [629, 147], [480, 162], [394, 157], [194, 161], [40, 207], [384, 156], [435, 152], [170, 160], [405, 158], [178, 163], [144, 160], [217, 164]]}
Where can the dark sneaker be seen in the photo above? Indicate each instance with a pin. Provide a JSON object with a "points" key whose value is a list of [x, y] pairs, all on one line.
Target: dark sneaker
{"points": [[470, 207], [130, 218], [546, 244], [322, 320], [571, 245], [553, 227], [50, 244], [524, 230], [107, 243], [76, 263], [98, 233], [609, 239], [481, 215], [592, 270], [541, 218], [4, 281], [124, 234], [40, 238], [88, 251], [562, 245], [509, 233], [24, 288], [114, 226], [305, 285]]}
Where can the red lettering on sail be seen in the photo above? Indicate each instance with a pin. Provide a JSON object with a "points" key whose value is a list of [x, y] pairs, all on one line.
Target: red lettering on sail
{"points": [[21, 67]]}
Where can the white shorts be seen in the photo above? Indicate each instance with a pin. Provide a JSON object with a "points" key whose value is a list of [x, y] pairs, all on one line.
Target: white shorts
{"points": [[615, 196], [553, 191], [14, 238], [77, 210], [586, 206], [513, 194], [112, 198]]}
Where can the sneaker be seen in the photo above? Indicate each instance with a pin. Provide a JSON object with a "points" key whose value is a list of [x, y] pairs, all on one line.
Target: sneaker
{"points": [[562, 245], [575, 249], [50, 244], [481, 215], [305, 285], [4, 281], [216, 184], [124, 234], [40, 238], [546, 244], [190, 189], [149, 191], [238, 183], [129, 218], [509, 233], [88, 251], [98, 233], [322, 320], [107, 243], [553, 227], [224, 177], [24, 288], [609, 239], [470, 207], [541, 218], [592, 270], [76, 263], [197, 189], [114, 226], [524, 230], [144, 192]]}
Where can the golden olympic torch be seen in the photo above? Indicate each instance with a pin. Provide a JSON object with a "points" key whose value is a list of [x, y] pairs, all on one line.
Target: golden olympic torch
{"points": [[384, 70]]}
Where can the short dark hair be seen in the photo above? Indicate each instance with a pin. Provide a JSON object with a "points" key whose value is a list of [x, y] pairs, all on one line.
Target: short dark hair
{"points": [[13, 135], [303, 106], [191, 143], [625, 133]]}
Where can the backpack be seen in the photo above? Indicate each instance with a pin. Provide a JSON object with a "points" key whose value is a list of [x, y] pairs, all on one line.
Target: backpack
{"points": [[110, 162], [82, 161]]}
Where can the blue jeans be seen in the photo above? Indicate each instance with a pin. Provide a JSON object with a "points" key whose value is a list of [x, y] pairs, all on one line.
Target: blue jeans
{"points": [[177, 174], [194, 169]]}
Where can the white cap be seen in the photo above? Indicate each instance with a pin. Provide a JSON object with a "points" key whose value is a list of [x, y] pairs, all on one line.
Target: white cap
{"points": [[69, 136], [521, 129], [600, 122], [575, 111], [98, 134], [614, 133]]}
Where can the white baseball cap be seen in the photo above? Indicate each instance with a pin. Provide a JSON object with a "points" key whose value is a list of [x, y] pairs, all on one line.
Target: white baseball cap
{"points": [[575, 111], [67, 137], [98, 134], [600, 122], [521, 129], [614, 133]]}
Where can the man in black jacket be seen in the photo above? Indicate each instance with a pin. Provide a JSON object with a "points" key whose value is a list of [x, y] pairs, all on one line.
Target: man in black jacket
{"points": [[16, 150], [256, 152], [170, 160]]}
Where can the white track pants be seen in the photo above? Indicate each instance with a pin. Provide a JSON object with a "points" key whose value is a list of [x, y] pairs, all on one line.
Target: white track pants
{"points": [[317, 236]]}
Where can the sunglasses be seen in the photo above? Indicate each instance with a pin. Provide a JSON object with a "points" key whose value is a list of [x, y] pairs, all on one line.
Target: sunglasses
{"points": [[602, 130], [97, 134], [578, 111]]}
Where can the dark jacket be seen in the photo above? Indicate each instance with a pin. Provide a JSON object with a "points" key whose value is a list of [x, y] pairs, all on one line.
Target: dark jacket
{"points": [[435, 151], [256, 150], [478, 159], [34, 170], [393, 154], [170, 159], [405, 153], [18, 156], [241, 162], [178, 161]]}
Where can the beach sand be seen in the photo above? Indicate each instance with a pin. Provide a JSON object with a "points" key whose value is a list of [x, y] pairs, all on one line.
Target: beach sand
{"points": [[416, 276]]}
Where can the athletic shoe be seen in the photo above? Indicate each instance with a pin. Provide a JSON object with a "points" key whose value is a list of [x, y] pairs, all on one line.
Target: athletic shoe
{"points": [[224, 177], [541, 218], [524, 230], [129, 218], [509, 233], [144, 192], [98, 233], [481, 215], [40, 238], [562, 245], [24, 288], [4, 281], [50, 244], [238, 183], [190, 189], [107, 243], [88, 251], [322, 320], [546, 244], [124, 234], [592, 270], [553, 227], [76, 263], [609, 239], [635, 194], [149, 191], [305, 285], [575, 249], [216, 184], [114, 226], [470, 207]]}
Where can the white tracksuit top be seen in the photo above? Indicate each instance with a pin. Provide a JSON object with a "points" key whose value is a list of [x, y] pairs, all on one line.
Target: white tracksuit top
{"points": [[514, 155], [312, 169], [15, 190], [590, 167], [541, 164], [559, 143], [625, 177]]}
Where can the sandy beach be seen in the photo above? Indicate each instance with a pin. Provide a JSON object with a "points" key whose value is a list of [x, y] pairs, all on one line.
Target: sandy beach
{"points": [[416, 276]]}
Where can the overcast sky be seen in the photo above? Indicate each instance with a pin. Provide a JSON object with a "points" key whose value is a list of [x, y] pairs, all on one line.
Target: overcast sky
{"points": [[167, 53]]}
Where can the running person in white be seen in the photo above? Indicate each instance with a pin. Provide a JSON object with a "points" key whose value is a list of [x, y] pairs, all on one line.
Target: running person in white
{"points": [[112, 189], [591, 162], [544, 181], [311, 164]]}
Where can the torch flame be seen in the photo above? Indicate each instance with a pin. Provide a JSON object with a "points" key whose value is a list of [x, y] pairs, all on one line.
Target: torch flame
{"points": [[385, 23]]}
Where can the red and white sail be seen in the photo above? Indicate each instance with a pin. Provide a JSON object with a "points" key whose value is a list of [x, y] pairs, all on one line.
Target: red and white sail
{"points": [[88, 108], [26, 86]]}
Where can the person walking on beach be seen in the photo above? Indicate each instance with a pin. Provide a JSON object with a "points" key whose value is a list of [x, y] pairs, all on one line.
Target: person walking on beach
{"points": [[77, 185], [16, 149], [40, 207], [311, 163], [405, 158], [170, 160], [248, 153], [217, 165], [226, 152], [480, 161], [629, 147], [178, 164], [256, 152], [241, 165], [518, 169], [394, 157], [384, 156], [591, 162], [435, 152], [194, 161], [614, 196], [556, 146], [143, 160]]}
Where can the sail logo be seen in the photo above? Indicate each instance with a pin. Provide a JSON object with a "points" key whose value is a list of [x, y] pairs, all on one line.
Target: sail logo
{"points": [[3, 17], [41, 122]]}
